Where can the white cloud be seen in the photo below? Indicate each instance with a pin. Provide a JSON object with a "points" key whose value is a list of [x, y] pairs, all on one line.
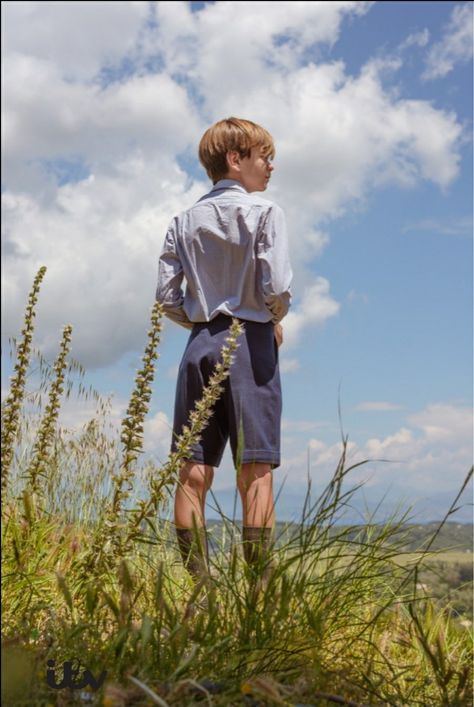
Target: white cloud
{"points": [[76, 412], [289, 365], [418, 39], [316, 306], [102, 127], [157, 435], [444, 423], [288, 425], [455, 47], [455, 227], [266, 39], [432, 450], [377, 405], [78, 38], [354, 296], [390, 446]]}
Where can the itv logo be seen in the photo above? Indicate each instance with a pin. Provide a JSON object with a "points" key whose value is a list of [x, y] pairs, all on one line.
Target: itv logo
{"points": [[71, 677]]}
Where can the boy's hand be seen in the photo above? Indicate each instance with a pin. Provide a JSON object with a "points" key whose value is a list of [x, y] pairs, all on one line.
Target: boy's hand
{"points": [[279, 334]]}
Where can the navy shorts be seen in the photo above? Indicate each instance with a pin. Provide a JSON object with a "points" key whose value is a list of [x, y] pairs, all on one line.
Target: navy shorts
{"points": [[249, 410]]}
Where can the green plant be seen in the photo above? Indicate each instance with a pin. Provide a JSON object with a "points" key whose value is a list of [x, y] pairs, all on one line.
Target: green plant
{"points": [[45, 437], [12, 407], [342, 620]]}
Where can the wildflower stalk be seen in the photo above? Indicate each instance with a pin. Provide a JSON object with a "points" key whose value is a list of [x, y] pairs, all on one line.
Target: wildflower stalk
{"points": [[132, 426], [45, 436], [198, 421], [12, 405]]}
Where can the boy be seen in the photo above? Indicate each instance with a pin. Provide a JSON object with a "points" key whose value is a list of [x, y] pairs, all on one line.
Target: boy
{"points": [[231, 246]]}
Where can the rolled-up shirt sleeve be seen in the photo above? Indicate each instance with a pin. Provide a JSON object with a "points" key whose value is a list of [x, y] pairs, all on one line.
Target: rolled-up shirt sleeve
{"points": [[274, 262], [170, 276]]}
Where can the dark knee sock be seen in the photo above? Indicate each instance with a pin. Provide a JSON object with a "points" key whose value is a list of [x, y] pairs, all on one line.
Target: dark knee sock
{"points": [[194, 550], [257, 543]]}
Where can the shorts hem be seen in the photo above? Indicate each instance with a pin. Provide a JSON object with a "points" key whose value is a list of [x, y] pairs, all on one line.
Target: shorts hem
{"points": [[260, 456], [198, 458], [207, 462]]}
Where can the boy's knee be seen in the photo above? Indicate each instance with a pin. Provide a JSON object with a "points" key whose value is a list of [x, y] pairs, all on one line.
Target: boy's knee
{"points": [[199, 477], [255, 471]]}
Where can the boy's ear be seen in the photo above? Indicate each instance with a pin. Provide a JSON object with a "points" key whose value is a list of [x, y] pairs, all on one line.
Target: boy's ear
{"points": [[233, 159]]}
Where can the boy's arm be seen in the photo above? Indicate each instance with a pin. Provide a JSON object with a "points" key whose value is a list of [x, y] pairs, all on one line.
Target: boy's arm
{"points": [[278, 334], [275, 268], [170, 276]]}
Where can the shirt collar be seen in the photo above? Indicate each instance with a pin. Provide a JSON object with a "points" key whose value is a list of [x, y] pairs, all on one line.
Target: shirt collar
{"points": [[229, 184]]}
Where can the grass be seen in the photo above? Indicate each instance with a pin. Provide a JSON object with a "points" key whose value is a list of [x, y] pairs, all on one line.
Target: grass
{"points": [[92, 574]]}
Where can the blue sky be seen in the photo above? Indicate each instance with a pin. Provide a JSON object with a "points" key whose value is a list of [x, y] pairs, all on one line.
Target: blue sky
{"points": [[370, 105]]}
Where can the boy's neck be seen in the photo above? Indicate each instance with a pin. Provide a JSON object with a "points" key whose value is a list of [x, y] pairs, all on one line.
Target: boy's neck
{"points": [[232, 178]]}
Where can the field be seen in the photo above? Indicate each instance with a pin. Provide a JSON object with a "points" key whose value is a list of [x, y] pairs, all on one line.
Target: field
{"points": [[98, 609]]}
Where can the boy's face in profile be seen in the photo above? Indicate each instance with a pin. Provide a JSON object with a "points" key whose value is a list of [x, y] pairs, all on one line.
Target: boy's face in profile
{"points": [[253, 172]]}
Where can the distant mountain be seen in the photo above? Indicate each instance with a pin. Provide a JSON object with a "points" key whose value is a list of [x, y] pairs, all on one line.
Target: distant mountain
{"points": [[452, 536]]}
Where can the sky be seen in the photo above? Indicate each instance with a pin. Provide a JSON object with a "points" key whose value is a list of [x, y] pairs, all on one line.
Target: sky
{"points": [[370, 107]]}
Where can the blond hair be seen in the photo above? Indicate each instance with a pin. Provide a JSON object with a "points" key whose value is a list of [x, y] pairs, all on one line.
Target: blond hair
{"points": [[231, 134]]}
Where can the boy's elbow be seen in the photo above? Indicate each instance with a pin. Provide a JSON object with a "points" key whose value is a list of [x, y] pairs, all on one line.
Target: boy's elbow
{"points": [[159, 294], [164, 297]]}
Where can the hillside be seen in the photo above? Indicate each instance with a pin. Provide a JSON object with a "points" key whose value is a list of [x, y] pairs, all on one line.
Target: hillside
{"points": [[452, 536]]}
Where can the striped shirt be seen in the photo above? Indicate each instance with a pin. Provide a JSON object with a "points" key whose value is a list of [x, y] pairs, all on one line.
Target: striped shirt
{"points": [[231, 246]]}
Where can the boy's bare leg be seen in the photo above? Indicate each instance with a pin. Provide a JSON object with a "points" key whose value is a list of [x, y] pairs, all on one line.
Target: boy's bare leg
{"points": [[195, 480], [255, 484]]}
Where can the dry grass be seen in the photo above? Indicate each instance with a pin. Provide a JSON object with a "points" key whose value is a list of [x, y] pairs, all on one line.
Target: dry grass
{"points": [[91, 572]]}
